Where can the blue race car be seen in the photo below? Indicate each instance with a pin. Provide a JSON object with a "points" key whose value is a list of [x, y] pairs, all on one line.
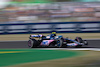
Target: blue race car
{"points": [[55, 41]]}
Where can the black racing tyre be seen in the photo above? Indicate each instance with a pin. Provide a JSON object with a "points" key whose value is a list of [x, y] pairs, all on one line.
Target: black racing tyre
{"points": [[79, 39], [85, 42], [32, 43], [59, 43]]}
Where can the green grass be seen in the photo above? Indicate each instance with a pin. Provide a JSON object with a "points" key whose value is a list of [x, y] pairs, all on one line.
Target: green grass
{"points": [[32, 55], [78, 61]]}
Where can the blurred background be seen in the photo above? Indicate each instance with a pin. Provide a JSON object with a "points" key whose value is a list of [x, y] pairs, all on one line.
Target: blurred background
{"points": [[45, 16], [70, 18], [34, 11]]}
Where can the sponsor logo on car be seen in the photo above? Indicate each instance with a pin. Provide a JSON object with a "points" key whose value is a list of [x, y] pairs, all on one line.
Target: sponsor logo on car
{"points": [[72, 44]]}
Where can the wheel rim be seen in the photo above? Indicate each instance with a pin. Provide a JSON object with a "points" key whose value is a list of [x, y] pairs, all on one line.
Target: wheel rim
{"points": [[30, 43], [59, 43]]}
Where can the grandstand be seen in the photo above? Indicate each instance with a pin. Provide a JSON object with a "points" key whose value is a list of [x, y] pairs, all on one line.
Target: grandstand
{"points": [[51, 12]]}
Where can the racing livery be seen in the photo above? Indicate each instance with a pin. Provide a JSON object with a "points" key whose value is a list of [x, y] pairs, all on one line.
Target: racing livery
{"points": [[55, 41]]}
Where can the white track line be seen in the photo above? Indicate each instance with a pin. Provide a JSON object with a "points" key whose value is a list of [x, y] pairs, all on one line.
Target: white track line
{"points": [[92, 49]]}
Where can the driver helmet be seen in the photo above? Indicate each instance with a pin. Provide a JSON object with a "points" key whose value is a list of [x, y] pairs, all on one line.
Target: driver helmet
{"points": [[54, 33]]}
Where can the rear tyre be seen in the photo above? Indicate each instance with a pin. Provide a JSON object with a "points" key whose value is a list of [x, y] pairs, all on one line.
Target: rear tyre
{"points": [[32, 43]]}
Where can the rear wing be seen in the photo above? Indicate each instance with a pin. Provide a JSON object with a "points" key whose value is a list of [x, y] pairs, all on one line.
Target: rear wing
{"points": [[36, 36]]}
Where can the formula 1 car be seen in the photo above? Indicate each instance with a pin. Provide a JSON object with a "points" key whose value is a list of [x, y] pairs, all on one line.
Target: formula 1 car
{"points": [[55, 41]]}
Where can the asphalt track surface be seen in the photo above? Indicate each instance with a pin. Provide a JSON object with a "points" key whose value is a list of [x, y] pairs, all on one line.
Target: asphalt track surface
{"points": [[23, 44]]}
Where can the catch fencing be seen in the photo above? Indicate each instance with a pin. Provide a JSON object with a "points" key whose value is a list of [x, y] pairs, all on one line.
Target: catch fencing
{"points": [[59, 27]]}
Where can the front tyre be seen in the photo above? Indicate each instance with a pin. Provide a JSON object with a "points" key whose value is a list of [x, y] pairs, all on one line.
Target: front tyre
{"points": [[32, 43], [85, 42], [79, 39]]}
